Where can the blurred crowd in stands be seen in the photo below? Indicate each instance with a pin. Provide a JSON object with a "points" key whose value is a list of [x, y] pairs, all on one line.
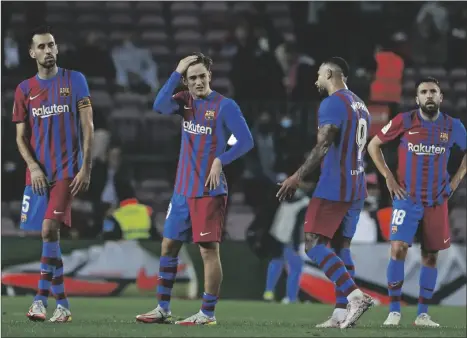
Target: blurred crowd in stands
{"points": [[266, 56]]}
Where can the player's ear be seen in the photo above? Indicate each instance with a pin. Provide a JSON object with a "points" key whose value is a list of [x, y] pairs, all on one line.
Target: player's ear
{"points": [[32, 54], [328, 74], [417, 100], [210, 77], [441, 97], [184, 81]]}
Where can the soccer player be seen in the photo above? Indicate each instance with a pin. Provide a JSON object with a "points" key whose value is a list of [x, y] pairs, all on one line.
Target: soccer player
{"points": [[51, 111], [421, 191], [197, 208], [343, 122]]}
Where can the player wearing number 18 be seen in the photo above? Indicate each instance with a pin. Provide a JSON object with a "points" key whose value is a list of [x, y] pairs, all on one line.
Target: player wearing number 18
{"points": [[421, 191], [335, 208]]}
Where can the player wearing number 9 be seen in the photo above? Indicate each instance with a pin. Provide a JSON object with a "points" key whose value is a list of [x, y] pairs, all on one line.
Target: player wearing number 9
{"points": [[334, 210]]}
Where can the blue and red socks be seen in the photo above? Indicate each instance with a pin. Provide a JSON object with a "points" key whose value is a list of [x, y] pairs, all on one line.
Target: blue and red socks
{"points": [[333, 267], [58, 287], [346, 257], [209, 304], [167, 274], [47, 266], [428, 278], [274, 272], [395, 276]]}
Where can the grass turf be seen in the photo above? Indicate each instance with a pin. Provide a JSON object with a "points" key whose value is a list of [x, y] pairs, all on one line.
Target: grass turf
{"points": [[115, 317]]}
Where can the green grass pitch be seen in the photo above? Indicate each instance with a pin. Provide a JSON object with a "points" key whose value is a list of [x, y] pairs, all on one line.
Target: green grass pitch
{"points": [[115, 317]]}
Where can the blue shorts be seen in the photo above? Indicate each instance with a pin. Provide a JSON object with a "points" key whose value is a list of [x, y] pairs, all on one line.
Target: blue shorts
{"points": [[431, 223], [197, 219], [33, 210]]}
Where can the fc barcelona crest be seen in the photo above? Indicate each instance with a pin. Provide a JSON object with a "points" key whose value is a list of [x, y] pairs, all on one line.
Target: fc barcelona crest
{"points": [[64, 92], [443, 137], [209, 114]]}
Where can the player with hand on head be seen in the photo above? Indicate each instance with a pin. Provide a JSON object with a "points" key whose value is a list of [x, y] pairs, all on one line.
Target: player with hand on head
{"points": [[334, 210], [54, 132], [197, 208], [421, 191]]}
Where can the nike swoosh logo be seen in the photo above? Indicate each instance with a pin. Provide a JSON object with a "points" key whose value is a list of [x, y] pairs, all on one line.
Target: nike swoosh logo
{"points": [[33, 97], [187, 107], [413, 132], [58, 212], [446, 240], [204, 234]]}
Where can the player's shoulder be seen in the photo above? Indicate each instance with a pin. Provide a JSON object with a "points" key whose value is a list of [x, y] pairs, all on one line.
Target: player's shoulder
{"points": [[26, 85], [451, 120], [75, 75]]}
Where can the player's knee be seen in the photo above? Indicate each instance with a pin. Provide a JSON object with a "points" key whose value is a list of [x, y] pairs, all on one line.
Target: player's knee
{"points": [[170, 247], [312, 240], [50, 230], [399, 250], [429, 258], [209, 251]]}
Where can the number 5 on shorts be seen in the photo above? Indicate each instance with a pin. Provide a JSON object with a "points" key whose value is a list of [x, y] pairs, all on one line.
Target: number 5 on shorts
{"points": [[25, 205], [398, 216]]}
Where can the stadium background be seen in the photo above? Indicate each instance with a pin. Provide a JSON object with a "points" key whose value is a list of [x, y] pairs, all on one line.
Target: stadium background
{"points": [[266, 55]]}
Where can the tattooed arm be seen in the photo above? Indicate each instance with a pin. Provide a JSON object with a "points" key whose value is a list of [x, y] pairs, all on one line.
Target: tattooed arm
{"points": [[327, 133], [326, 136]]}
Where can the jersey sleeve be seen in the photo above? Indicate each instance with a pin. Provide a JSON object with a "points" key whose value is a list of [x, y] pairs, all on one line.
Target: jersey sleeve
{"points": [[331, 111], [460, 134], [235, 122], [80, 85], [392, 130], [20, 111]]}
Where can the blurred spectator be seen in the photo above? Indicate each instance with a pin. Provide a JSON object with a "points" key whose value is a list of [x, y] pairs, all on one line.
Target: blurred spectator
{"points": [[93, 58], [289, 146], [111, 183], [11, 58], [431, 34], [300, 74], [135, 66]]}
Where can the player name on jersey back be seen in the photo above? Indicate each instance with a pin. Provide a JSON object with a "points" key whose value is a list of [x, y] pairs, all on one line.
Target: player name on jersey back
{"points": [[342, 173]]}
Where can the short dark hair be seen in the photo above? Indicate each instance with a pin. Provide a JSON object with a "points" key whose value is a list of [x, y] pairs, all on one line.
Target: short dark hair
{"points": [[428, 79], [40, 30], [341, 63], [203, 59]]}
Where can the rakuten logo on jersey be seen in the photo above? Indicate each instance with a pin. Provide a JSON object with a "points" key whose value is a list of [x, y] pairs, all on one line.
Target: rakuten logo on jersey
{"points": [[422, 149], [45, 111], [196, 129]]}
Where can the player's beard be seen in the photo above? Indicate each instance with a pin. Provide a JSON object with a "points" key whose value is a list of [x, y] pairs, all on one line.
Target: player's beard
{"points": [[431, 109], [48, 63]]}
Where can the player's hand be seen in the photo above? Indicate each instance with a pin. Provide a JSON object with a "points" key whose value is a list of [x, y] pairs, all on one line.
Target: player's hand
{"points": [[185, 63], [39, 182], [214, 178], [288, 188], [395, 189], [81, 182]]}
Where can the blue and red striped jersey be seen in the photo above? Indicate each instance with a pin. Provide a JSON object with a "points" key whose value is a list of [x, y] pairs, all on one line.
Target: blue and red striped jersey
{"points": [[423, 153], [207, 125], [50, 110], [342, 173]]}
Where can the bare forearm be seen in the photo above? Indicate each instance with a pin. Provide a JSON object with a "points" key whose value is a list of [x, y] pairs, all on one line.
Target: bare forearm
{"points": [[312, 161], [88, 139], [377, 156], [25, 151], [460, 172]]}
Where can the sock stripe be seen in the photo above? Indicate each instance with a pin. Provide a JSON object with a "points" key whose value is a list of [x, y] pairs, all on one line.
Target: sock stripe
{"points": [[350, 289], [395, 285], [208, 307], [325, 260], [423, 300], [46, 276], [341, 306], [43, 292], [163, 297], [168, 283], [169, 269], [336, 266], [49, 261], [59, 264], [57, 280], [394, 298], [342, 279], [350, 267]]}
